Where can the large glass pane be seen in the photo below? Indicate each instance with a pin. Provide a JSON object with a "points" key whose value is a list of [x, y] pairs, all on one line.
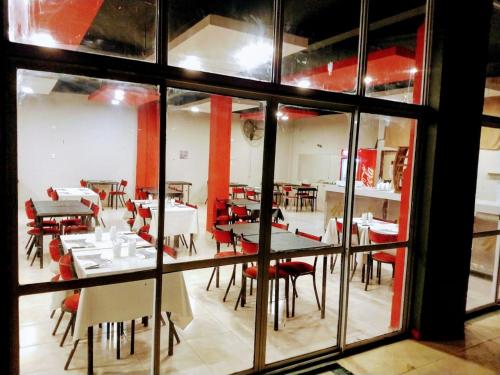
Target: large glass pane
{"points": [[54, 330], [206, 332], [111, 27], [223, 37], [84, 145], [376, 298], [492, 87], [309, 176], [486, 250], [328, 32], [396, 40]]}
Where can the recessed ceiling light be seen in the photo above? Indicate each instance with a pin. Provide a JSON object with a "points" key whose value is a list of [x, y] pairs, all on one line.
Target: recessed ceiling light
{"points": [[119, 94], [115, 102], [27, 90], [254, 54], [191, 63], [195, 109]]}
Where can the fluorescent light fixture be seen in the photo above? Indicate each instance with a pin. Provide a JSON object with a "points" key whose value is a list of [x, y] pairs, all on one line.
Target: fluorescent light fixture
{"points": [[119, 94], [115, 102], [304, 83], [191, 62], [368, 80], [254, 54], [195, 109], [43, 39], [27, 90]]}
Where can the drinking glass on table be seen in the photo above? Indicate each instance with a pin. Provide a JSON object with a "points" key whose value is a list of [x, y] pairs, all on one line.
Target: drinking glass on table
{"points": [[98, 234], [132, 247], [117, 248]]}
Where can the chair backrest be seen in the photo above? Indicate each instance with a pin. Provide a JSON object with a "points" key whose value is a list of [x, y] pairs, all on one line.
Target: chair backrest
{"points": [[83, 183], [145, 236], [281, 226], [54, 195], [30, 210], [130, 207], [239, 211], [192, 206], [307, 235], [249, 248], [238, 190], [102, 195], [49, 192], [66, 269], [178, 201], [140, 194], [340, 226], [375, 237], [220, 204], [144, 212], [95, 210], [86, 202], [223, 236], [123, 185], [55, 250], [287, 189], [250, 193]]}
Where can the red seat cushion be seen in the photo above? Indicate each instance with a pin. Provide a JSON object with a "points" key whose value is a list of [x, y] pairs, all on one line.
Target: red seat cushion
{"points": [[252, 272], [297, 268], [224, 254], [76, 229], [46, 223], [170, 251], [384, 257], [46, 230], [131, 221], [71, 303], [117, 193], [74, 221]]}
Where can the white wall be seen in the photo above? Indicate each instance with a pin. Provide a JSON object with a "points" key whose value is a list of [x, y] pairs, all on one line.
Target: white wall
{"points": [[63, 138], [488, 186]]}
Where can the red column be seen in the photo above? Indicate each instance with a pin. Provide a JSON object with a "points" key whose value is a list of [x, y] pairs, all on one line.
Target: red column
{"points": [[148, 153], [404, 213], [219, 153]]}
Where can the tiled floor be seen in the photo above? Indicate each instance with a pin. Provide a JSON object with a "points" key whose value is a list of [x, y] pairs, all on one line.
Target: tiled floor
{"points": [[219, 340], [478, 354]]}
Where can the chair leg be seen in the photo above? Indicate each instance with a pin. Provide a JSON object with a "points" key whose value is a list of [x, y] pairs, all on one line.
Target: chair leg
{"points": [[368, 272], [217, 277], [251, 286], [52, 313], [102, 221], [70, 357], [172, 325], [118, 337], [211, 277], [316, 291], [379, 271], [29, 241], [333, 261], [132, 336], [58, 322], [233, 276], [71, 321], [239, 298], [293, 279]]}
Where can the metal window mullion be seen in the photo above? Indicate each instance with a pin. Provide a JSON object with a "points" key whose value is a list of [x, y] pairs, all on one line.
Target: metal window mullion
{"points": [[362, 47], [278, 29], [162, 32], [346, 232], [161, 220], [429, 15]]}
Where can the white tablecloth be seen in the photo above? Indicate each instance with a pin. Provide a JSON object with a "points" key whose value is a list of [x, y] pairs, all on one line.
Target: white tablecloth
{"points": [[331, 237], [125, 301], [179, 219]]}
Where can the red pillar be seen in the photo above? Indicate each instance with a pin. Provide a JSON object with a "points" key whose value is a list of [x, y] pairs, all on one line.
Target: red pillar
{"points": [[404, 212], [219, 153], [148, 153]]}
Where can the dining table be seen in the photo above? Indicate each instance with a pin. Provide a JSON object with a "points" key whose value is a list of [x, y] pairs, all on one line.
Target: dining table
{"points": [[59, 208], [173, 183], [121, 302], [77, 193], [113, 186]]}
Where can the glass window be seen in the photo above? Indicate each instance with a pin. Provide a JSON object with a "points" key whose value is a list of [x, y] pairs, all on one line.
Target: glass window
{"points": [[485, 254], [222, 37], [85, 146], [396, 39], [492, 89], [325, 54], [115, 27]]}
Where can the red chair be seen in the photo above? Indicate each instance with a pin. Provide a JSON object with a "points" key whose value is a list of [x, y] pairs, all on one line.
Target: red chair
{"points": [[70, 304], [250, 194], [102, 197], [289, 195], [281, 226], [144, 234], [49, 192], [222, 216], [120, 193], [86, 202], [145, 214], [141, 195], [240, 214], [354, 232], [65, 223], [83, 183], [170, 251], [236, 191], [54, 195], [297, 269], [34, 232], [95, 214], [379, 257], [224, 237], [130, 208], [251, 248]]}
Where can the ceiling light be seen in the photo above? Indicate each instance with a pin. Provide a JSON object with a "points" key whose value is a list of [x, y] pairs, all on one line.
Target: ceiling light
{"points": [[27, 90], [285, 118], [119, 94], [279, 114], [254, 54], [368, 80], [413, 70], [191, 62], [115, 102], [304, 83], [43, 39], [195, 109]]}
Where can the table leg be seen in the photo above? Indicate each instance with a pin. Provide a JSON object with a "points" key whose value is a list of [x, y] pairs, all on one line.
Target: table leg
{"points": [[243, 286], [39, 240], [276, 295], [176, 241], [90, 350], [323, 288], [170, 338]]}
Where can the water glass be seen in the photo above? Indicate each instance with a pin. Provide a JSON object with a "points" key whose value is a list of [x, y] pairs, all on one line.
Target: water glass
{"points": [[117, 248], [98, 234], [132, 247]]}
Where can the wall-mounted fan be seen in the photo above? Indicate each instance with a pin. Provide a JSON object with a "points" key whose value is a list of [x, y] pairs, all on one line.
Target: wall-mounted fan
{"points": [[253, 130]]}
